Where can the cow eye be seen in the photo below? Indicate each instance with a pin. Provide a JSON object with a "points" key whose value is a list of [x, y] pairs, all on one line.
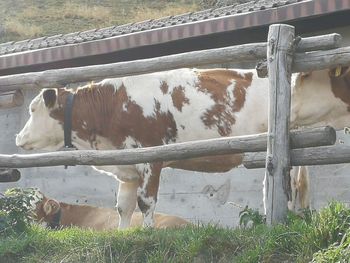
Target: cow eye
{"points": [[32, 110]]}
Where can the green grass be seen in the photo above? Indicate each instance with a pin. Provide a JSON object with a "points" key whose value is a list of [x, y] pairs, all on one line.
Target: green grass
{"points": [[22, 19], [323, 237]]}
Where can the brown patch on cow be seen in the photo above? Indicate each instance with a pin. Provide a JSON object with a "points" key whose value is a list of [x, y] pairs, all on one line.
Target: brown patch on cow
{"points": [[152, 185], [216, 83], [210, 164], [179, 98], [153, 182], [144, 207], [164, 87], [100, 111], [341, 85]]}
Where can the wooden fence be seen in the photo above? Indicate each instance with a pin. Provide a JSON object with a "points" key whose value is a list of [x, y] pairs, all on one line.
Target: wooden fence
{"points": [[284, 53]]}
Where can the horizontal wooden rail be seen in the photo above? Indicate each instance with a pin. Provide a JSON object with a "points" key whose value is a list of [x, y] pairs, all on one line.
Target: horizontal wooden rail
{"points": [[247, 52], [178, 151], [335, 154], [9, 175], [316, 60], [322, 42]]}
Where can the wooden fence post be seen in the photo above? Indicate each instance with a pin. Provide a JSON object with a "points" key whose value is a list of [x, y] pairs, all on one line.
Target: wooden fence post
{"points": [[277, 179]]}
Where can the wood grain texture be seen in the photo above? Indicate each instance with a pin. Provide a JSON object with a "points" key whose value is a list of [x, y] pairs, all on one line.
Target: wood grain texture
{"points": [[316, 60], [277, 187], [308, 156]]}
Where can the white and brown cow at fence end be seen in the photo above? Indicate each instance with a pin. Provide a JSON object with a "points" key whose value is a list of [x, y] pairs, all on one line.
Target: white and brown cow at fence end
{"points": [[174, 106]]}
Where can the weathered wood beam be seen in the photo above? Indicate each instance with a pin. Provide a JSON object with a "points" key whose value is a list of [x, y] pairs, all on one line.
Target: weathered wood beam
{"points": [[60, 77], [307, 156], [312, 137], [316, 60], [307, 138], [322, 42], [11, 99], [279, 57], [9, 175]]}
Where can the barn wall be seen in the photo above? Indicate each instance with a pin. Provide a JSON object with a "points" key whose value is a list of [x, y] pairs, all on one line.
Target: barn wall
{"points": [[195, 196]]}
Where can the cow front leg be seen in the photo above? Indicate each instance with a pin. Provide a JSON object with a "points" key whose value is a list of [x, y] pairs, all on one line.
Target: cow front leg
{"points": [[126, 202], [148, 190]]}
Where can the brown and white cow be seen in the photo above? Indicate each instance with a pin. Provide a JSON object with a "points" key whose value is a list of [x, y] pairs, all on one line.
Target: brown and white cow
{"points": [[59, 215], [175, 106]]}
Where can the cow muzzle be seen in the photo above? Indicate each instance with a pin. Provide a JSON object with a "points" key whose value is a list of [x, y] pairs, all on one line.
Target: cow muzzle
{"points": [[21, 141]]}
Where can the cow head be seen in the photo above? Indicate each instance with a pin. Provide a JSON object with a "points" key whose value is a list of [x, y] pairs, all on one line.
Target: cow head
{"points": [[41, 130], [51, 207], [46, 211]]}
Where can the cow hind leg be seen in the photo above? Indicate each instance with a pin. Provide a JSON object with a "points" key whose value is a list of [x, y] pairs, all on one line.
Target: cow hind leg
{"points": [[300, 189], [148, 190], [294, 188], [304, 187], [126, 202]]}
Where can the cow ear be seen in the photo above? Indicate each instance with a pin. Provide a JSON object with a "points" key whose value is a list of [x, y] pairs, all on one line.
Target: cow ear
{"points": [[50, 97], [51, 207]]}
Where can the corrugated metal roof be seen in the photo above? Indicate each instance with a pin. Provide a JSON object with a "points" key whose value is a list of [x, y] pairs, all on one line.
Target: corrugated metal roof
{"points": [[97, 34]]}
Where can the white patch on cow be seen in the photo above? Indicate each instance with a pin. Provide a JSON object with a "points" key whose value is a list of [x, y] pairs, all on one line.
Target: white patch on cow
{"points": [[144, 91], [191, 113], [229, 91], [252, 118], [41, 132], [124, 173], [148, 219], [125, 107], [130, 143], [84, 126], [148, 215], [146, 171]]}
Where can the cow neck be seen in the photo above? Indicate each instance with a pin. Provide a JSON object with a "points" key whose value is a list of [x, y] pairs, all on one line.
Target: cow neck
{"points": [[56, 219], [67, 123]]}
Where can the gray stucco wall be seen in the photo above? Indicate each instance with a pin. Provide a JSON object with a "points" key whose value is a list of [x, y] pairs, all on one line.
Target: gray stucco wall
{"points": [[195, 196]]}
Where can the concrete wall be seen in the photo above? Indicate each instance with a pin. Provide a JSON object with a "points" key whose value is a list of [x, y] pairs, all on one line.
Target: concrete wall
{"points": [[195, 196]]}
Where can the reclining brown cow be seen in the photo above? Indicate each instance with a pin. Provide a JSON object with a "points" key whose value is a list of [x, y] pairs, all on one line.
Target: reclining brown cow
{"points": [[60, 215]]}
